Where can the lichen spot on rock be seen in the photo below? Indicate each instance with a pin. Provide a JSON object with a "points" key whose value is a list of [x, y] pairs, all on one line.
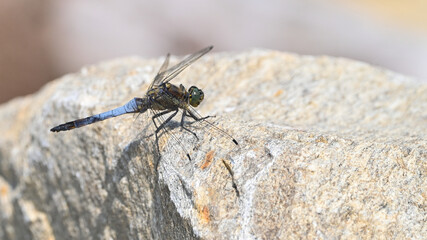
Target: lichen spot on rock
{"points": [[208, 159]]}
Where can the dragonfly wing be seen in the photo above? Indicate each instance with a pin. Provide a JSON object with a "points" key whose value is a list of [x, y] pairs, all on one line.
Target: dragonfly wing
{"points": [[160, 75], [159, 123], [192, 113], [172, 72]]}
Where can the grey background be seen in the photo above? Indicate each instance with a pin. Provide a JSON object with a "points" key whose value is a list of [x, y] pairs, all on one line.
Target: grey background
{"points": [[42, 40]]}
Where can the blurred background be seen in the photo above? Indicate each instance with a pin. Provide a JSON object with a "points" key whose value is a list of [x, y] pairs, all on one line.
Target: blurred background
{"points": [[41, 40]]}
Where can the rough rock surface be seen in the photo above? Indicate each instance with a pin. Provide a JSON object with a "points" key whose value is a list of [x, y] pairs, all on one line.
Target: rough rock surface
{"points": [[328, 148]]}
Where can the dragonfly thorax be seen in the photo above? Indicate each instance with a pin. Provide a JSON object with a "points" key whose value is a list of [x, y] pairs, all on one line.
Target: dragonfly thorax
{"points": [[195, 96]]}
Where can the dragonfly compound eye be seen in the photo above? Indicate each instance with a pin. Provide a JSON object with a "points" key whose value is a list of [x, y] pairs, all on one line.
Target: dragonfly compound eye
{"points": [[196, 96]]}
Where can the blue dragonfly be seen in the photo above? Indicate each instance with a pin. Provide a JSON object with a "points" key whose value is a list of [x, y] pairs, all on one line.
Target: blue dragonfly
{"points": [[162, 98]]}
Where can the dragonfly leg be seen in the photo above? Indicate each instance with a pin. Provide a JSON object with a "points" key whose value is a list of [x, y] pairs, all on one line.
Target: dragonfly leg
{"points": [[197, 119], [161, 126], [160, 114], [166, 121], [182, 124]]}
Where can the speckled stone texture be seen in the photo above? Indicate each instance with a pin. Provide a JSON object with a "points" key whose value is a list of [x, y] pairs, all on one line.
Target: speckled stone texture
{"points": [[328, 148]]}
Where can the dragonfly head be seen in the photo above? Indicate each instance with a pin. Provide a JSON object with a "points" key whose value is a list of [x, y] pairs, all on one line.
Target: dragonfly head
{"points": [[196, 96]]}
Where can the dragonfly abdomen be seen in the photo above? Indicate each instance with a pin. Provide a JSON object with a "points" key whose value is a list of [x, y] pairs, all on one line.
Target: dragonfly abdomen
{"points": [[133, 106]]}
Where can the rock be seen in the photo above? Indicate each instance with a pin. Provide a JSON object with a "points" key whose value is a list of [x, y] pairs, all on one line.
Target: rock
{"points": [[328, 148]]}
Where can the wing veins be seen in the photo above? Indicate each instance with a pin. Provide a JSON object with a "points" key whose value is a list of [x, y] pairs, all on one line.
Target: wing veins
{"points": [[172, 72]]}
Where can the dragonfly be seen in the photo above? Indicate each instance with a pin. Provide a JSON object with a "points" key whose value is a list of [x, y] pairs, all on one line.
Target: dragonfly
{"points": [[162, 98]]}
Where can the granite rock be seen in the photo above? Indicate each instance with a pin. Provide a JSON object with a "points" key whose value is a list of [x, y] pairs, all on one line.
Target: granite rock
{"points": [[328, 148]]}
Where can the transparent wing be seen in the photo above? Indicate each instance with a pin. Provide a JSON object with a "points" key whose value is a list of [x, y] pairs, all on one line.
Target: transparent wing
{"points": [[167, 75], [160, 75], [212, 128], [168, 131], [200, 125]]}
